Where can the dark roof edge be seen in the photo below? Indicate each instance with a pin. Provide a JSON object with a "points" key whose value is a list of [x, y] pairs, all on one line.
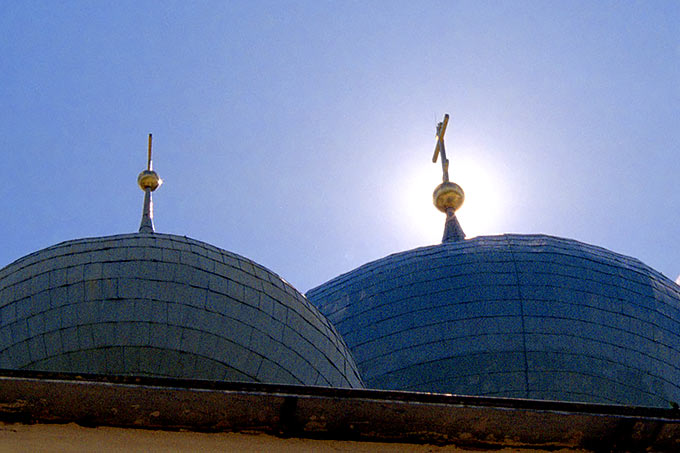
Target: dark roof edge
{"points": [[330, 413]]}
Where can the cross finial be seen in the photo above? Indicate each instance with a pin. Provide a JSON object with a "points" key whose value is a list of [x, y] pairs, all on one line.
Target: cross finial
{"points": [[148, 181], [448, 196], [440, 149]]}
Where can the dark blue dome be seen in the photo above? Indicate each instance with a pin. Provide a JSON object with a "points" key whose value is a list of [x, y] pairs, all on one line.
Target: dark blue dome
{"points": [[528, 316], [163, 305]]}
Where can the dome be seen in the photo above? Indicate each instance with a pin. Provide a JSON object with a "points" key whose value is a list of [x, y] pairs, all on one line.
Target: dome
{"points": [[527, 316], [167, 306]]}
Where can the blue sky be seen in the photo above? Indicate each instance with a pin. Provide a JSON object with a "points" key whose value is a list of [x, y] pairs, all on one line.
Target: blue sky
{"points": [[299, 134]]}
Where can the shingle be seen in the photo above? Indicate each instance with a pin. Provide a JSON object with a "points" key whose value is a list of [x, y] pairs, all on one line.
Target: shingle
{"points": [[114, 303], [576, 294]]}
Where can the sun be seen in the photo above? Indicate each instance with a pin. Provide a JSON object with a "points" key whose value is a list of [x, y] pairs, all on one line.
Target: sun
{"points": [[480, 213], [482, 210]]}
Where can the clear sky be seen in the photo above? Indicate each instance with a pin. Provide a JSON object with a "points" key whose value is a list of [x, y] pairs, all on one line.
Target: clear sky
{"points": [[299, 134]]}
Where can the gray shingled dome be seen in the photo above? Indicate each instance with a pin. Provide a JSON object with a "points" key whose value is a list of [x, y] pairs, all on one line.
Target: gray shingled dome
{"points": [[527, 316], [163, 305]]}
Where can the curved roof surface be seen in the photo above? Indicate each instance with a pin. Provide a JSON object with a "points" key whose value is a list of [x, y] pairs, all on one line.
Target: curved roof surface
{"points": [[528, 316], [163, 305]]}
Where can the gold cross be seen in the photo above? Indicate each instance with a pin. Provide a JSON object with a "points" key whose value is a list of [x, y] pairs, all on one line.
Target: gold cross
{"points": [[439, 147]]}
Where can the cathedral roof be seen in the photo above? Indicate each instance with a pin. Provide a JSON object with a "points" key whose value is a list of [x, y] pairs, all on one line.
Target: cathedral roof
{"points": [[163, 305], [528, 316]]}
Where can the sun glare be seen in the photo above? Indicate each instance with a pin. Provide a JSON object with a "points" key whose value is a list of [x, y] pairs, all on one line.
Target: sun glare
{"points": [[480, 212]]}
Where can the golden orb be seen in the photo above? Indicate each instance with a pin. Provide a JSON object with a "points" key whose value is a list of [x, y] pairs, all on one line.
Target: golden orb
{"points": [[448, 195], [149, 179]]}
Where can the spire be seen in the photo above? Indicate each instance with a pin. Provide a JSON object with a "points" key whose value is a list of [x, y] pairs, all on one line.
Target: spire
{"points": [[448, 196], [148, 181]]}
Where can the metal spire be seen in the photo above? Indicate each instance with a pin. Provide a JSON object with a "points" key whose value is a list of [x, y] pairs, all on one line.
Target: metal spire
{"points": [[448, 196], [148, 181]]}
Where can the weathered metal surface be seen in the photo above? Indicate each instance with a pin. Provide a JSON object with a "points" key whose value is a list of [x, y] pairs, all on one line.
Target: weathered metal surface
{"points": [[517, 316], [163, 305]]}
